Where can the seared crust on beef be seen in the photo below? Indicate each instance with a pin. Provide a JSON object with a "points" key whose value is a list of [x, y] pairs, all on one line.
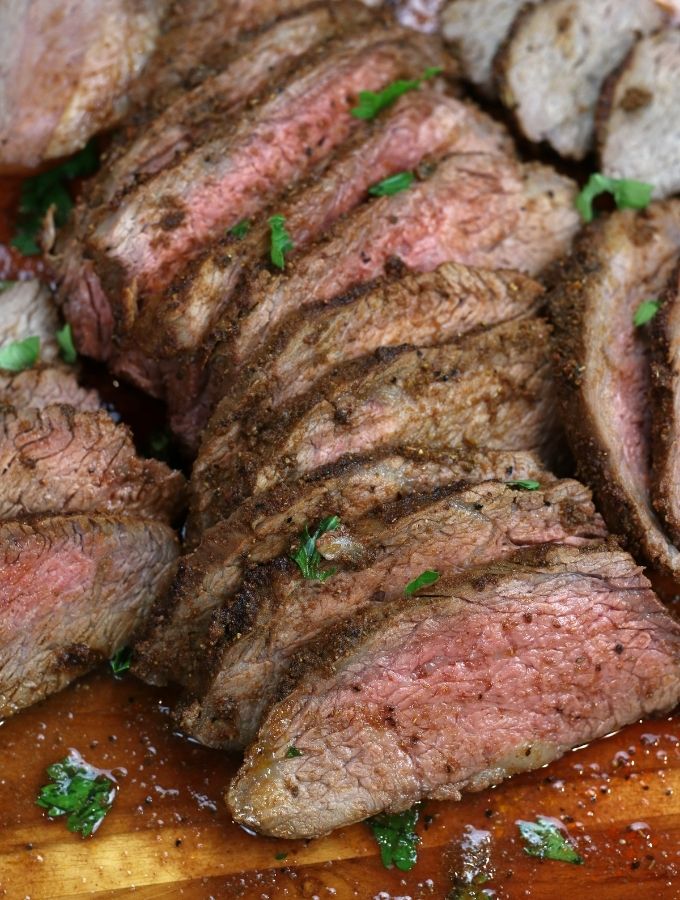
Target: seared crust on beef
{"points": [[265, 526], [555, 59], [73, 590], [411, 701], [276, 611], [637, 130], [61, 459], [42, 386], [665, 485], [491, 389], [602, 366]]}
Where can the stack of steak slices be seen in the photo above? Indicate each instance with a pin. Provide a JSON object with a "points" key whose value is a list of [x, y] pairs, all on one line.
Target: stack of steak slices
{"points": [[85, 532]]}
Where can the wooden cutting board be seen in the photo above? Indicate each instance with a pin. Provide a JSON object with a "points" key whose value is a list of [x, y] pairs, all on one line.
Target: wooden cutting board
{"points": [[169, 834]]}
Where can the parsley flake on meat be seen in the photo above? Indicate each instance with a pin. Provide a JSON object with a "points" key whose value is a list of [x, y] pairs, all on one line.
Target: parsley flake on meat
{"points": [[397, 838], [121, 661], [241, 229], [281, 241], [292, 752], [527, 485], [392, 185], [645, 312], [20, 355], [66, 346], [49, 189], [429, 576], [627, 193], [372, 102], [308, 557], [78, 791], [544, 839]]}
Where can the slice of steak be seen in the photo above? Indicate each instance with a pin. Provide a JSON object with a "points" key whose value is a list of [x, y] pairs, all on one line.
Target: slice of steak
{"points": [[492, 389], [424, 309], [257, 61], [233, 176], [73, 590], [475, 29], [276, 612], [27, 310], [266, 526], [665, 447], [555, 60], [493, 672], [43, 385], [59, 458], [477, 209], [637, 105], [603, 368]]}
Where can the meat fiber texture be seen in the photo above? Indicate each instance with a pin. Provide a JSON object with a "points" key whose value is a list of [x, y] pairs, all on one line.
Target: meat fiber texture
{"points": [[73, 590], [65, 72], [277, 612], [175, 645], [480, 676], [638, 133], [556, 58], [603, 367], [43, 385], [27, 310]]}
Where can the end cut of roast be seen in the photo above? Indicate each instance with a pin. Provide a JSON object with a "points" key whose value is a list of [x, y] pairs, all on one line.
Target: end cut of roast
{"points": [[73, 590], [497, 671], [602, 366]]}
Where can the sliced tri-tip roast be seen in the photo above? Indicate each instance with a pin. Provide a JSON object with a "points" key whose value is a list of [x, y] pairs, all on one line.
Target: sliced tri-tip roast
{"points": [[602, 366], [276, 611], [500, 670], [174, 646], [43, 385], [60, 459], [636, 118], [665, 446], [492, 389], [73, 590], [554, 62], [27, 310], [422, 309]]}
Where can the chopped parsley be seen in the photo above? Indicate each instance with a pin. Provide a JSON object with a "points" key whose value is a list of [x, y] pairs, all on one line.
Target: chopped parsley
{"points": [[372, 102], [544, 839], [240, 230], [281, 241], [292, 752], [645, 312], [627, 193], [281, 856], [48, 189], [20, 355], [429, 576], [397, 838], [527, 485], [120, 661], [392, 185], [78, 791], [6, 284], [66, 347], [308, 557]]}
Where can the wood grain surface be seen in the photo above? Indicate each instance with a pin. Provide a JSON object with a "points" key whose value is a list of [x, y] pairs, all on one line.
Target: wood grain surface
{"points": [[169, 834]]}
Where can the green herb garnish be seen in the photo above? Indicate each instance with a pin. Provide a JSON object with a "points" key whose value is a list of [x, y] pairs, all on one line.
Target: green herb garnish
{"points": [[627, 193], [281, 856], [65, 340], [308, 557], [120, 661], [372, 102], [429, 576], [20, 355], [392, 185], [292, 752], [48, 189], [78, 791], [527, 485], [240, 230], [6, 284], [645, 312], [544, 839], [397, 838], [282, 242]]}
